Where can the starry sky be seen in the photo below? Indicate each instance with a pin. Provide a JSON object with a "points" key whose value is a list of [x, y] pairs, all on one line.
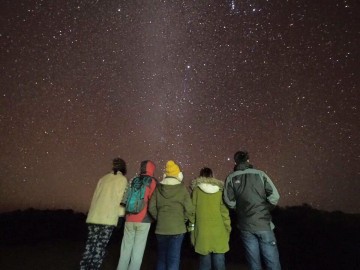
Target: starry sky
{"points": [[83, 82]]}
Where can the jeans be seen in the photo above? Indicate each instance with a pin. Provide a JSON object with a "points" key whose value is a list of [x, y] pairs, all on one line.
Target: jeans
{"points": [[133, 245], [169, 250], [261, 244], [217, 260]]}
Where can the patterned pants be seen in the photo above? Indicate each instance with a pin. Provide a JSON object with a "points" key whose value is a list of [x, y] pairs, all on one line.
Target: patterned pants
{"points": [[98, 238]]}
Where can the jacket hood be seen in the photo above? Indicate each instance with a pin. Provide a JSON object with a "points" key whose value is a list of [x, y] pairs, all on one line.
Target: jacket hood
{"points": [[147, 167], [171, 181], [168, 190], [207, 184]]}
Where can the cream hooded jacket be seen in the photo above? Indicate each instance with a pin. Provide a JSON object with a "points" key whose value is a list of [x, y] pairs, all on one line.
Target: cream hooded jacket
{"points": [[105, 206]]}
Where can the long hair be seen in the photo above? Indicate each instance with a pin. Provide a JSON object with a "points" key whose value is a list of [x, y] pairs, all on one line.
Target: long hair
{"points": [[119, 165]]}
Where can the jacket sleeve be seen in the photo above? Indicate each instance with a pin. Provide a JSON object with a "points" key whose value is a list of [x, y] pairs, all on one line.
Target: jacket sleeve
{"points": [[126, 193], [96, 194], [153, 205], [193, 199], [122, 188], [189, 208], [229, 193], [272, 193], [225, 216], [152, 187]]}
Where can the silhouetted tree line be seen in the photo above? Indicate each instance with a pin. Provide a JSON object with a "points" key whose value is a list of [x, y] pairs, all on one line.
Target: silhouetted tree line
{"points": [[308, 238]]}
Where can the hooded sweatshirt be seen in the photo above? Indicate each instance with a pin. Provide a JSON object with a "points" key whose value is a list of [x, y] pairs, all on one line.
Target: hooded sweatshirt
{"points": [[212, 221], [171, 206]]}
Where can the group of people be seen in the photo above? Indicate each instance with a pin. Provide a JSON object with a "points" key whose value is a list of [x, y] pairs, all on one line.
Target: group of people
{"points": [[203, 212]]}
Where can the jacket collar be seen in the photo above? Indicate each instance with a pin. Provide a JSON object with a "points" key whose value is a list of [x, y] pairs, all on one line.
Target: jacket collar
{"points": [[207, 184], [243, 166], [169, 180]]}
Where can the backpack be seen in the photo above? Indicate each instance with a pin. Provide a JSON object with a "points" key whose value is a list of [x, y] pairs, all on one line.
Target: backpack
{"points": [[135, 194]]}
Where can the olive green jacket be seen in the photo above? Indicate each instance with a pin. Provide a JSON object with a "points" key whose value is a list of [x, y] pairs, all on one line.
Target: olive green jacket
{"points": [[171, 207], [212, 221]]}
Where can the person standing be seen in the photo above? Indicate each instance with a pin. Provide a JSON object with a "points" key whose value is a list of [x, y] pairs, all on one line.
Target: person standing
{"points": [[252, 194], [211, 233], [171, 206], [137, 225], [104, 214]]}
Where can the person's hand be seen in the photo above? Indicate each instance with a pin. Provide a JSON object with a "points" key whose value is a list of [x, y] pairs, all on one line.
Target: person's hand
{"points": [[190, 227]]}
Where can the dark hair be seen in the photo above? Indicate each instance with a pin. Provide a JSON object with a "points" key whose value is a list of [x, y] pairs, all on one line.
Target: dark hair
{"points": [[206, 172], [241, 157], [143, 166], [119, 165]]}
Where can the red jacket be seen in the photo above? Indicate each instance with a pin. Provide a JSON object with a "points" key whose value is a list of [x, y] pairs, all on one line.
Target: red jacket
{"points": [[147, 168]]}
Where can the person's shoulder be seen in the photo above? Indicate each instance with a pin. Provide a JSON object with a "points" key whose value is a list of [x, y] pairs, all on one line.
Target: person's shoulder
{"points": [[119, 174], [195, 189], [153, 183], [154, 180], [230, 175], [106, 176], [252, 169], [148, 179], [236, 173], [182, 187], [255, 171], [118, 177]]}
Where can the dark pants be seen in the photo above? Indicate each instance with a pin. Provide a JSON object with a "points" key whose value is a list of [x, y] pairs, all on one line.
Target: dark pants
{"points": [[261, 245], [216, 260], [98, 238], [169, 250]]}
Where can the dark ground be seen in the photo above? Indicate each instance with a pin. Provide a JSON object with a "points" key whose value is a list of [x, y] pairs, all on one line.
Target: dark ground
{"points": [[66, 254], [54, 240]]}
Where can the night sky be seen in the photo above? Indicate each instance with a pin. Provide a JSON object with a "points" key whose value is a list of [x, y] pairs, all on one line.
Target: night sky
{"points": [[83, 82]]}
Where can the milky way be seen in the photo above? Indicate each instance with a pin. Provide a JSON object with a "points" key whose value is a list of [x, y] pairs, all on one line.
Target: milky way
{"points": [[194, 81]]}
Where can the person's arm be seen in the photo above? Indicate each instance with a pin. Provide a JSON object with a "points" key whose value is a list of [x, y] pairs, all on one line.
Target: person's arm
{"points": [[225, 216], [192, 225], [194, 197], [189, 207], [152, 187], [272, 194], [96, 193], [229, 193], [126, 194], [153, 205], [121, 193]]}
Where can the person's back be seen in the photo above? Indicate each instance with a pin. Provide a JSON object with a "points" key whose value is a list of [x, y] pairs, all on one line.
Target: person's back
{"points": [[171, 207], [170, 214], [211, 233], [103, 210], [103, 215], [255, 197], [137, 225], [252, 194]]}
